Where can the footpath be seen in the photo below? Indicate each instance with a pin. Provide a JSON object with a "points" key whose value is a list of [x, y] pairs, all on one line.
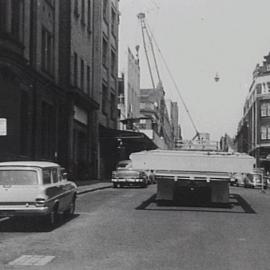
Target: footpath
{"points": [[92, 185]]}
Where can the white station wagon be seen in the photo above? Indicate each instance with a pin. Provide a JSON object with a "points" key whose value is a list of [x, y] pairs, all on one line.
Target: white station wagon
{"points": [[35, 188]]}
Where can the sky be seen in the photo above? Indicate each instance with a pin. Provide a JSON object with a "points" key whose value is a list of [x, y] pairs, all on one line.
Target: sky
{"points": [[199, 38]]}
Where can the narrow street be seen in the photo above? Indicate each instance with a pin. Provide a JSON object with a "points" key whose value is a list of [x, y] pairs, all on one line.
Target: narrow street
{"points": [[124, 229]]}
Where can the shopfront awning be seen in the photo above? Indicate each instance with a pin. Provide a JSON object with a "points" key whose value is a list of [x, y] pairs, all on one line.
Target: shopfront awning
{"points": [[134, 141]]}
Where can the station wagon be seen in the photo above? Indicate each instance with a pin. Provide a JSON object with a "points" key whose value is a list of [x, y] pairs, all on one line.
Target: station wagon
{"points": [[35, 188]]}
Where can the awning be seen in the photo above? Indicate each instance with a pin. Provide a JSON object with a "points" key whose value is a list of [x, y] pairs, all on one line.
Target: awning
{"points": [[134, 140]]}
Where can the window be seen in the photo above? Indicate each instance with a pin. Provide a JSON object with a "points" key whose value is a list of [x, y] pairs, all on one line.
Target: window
{"points": [[17, 8], [47, 51], [3, 16], [24, 123], [46, 176], [104, 98], [82, 74], [54, 175], [75, 69], [268, 86], [88, 75], [113, 106], [258, 89], [83, 12], [265, 109], [265, 132], [113, 63], [89, 16], [48, 118], [113, 22], [104, 52], [105, 8], [50, 2], [76, 8]]}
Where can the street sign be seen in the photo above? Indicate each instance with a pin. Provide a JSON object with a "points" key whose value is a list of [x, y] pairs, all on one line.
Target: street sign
{"points": [[3, 127]]}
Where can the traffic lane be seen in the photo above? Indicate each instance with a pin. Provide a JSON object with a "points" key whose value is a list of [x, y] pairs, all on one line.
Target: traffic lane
{"points": [[69, 241], [193, 238], [110, 233]]}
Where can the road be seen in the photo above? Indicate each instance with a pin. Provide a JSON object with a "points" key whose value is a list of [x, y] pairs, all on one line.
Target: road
{"points": [[124, 229]]}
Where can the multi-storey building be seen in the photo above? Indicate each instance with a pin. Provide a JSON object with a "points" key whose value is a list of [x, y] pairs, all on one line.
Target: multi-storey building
{"points": [[76, 77], [105, 59], [129, 98], [31, 103], [58, 77], [155, 123], [253, 135]]}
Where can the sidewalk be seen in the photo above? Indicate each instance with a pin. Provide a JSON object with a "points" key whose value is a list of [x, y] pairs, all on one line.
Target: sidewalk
{"points": [[93, 185]]}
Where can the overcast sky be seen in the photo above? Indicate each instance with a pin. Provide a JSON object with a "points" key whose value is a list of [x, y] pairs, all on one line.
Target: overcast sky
{"points": [[198, 39]]}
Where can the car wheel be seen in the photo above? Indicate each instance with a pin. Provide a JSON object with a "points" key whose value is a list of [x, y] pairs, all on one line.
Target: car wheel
{"points": [[71, 210], [52, 218], [114, 185]]}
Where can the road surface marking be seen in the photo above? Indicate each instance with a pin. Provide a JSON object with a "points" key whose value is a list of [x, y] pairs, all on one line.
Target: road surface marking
{"points": [[32, 260]]}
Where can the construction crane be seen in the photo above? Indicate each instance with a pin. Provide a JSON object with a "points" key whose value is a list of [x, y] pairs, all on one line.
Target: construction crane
{"points": [[141, 17], [147, 33]]}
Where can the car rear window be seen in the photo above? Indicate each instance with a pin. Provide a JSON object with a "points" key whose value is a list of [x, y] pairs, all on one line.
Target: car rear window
{"points": [[18, 177], [122, 165]]}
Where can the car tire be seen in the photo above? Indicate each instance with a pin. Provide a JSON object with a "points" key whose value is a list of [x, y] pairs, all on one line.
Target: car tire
{"points": [[52, 218], [114, 185], [71, 210]]}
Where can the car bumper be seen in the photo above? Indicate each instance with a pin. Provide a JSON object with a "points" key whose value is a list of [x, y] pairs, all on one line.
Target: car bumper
{"points": [[129, 182], [23, 211]]}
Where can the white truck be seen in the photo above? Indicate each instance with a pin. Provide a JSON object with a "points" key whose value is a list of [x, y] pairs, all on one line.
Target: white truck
{"points": [[181, 172]]}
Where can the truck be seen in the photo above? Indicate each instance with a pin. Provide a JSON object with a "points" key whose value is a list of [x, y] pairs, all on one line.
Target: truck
{"points": [[187, 175]]}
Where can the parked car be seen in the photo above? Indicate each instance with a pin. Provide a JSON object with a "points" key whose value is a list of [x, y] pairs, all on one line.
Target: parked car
{"points": [[125, 175], [254, 180], [237, 179], [36, 189]]}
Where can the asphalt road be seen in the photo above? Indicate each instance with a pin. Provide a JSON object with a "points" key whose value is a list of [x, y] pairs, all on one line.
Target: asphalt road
{"points": [[125, 229]]}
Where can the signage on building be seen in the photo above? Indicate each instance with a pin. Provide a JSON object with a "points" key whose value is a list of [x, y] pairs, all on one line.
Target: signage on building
{"points": [[3, 127]]}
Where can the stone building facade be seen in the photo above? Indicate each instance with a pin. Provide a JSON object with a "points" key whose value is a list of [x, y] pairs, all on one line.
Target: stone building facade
{"points": [[52, 73], [253, 134]]}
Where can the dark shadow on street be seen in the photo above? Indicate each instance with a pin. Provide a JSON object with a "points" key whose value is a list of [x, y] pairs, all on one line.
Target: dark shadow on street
{"points": [[32, 225], [236, 201]]}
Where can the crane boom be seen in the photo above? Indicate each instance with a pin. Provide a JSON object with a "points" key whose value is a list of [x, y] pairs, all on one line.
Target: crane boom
{"points": [[141, 17], [197, 133]]}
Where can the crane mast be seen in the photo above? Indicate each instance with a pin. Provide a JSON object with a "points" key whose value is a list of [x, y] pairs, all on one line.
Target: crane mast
{"points": [[147, 32], [141, 17]]}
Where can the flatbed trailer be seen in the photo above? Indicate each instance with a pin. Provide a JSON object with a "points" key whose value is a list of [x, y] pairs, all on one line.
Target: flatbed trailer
{"points": [[179, 173]]}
